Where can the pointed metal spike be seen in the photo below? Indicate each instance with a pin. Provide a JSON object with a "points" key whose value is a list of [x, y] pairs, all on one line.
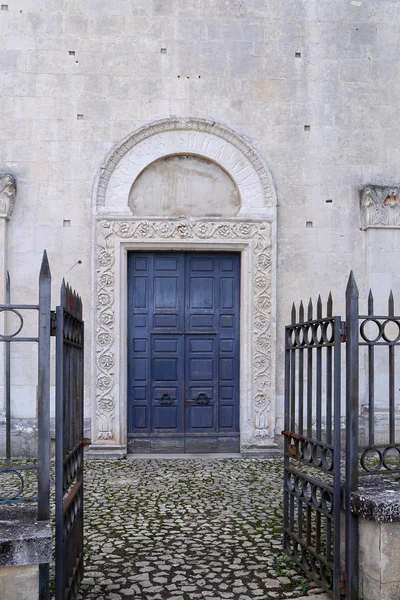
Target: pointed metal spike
{"points": [[319, 307], [63, 294], [301, 312], [8, 288], [370, 303], [329, 306], [391, 304], [352, 288], [293, 315], [45, 267], [310, 310]]}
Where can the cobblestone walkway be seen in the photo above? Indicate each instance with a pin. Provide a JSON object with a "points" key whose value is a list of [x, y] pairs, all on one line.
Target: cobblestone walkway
{"points": [[182, 529]]}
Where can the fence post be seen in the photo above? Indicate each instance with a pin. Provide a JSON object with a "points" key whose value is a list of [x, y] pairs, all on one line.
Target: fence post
{"points": [[352, 410], [44, 391]]}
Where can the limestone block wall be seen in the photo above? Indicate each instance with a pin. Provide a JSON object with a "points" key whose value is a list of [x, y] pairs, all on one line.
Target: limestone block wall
{"points": [[312, 84]]}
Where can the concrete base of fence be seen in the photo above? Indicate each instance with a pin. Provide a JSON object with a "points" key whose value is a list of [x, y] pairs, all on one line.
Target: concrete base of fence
{"points": [[25, 543], [20, 583], [377, 505]]}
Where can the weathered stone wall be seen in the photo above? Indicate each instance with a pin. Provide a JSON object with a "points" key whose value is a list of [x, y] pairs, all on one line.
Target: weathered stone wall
{"points": [[313, 85]]}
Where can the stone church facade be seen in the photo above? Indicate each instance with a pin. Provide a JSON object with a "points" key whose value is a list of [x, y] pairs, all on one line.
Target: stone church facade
{"points": [[262, 129]]}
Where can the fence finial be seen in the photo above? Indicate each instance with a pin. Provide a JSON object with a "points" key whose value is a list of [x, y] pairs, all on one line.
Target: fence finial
{"points": [[391, 304], [329, 306], [319, 307], [310, 310], [293, 315], [352, 289], [370, 303], [45, 267], [301, 312]]}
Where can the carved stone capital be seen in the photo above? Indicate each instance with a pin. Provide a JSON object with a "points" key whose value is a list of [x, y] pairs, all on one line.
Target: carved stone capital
{"points": [[8, 190], [380, 206]]}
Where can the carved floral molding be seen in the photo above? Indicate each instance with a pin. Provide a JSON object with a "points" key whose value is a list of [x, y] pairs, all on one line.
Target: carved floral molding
{"points": [[380, 206], [256, 234], [8, 190]]}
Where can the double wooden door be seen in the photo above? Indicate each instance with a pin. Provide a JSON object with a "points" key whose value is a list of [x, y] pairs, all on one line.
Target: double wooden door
{"points": [[183, 352]]}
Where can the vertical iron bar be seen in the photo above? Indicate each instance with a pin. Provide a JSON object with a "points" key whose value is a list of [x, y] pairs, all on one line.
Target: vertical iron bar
{"points": [[286, 439], [392, 375], [309, 377], [44, 391], [371, 380], [301, 378], [329, 313], [60, 563], [8, 377], [336, 455], [352, 428], [293, 379], [319, 378]]}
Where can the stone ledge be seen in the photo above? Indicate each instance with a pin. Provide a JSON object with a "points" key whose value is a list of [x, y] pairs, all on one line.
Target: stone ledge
{"points": [[23, 539], [377, 499]]}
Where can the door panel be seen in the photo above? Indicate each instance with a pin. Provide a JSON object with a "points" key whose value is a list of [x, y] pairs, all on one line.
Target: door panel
{"points": [[201, 379], [183, 352]]}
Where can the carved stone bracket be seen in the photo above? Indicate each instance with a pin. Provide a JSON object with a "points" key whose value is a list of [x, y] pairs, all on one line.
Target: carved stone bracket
{"points": [[380, 206], [8, 190], [255, 235]]}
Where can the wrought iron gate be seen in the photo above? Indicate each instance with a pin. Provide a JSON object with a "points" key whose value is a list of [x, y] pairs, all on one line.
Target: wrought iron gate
{"points": [[312, 479], [320, 475], [69, 332]]}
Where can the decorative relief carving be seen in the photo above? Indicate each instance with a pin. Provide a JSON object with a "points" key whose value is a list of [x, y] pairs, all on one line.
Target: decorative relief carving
{"points": [[8, 190], [197, 136], [257, 234], [380, 206]]}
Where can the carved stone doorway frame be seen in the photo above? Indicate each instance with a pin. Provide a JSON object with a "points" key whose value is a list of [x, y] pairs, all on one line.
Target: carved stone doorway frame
{"points": [[252, 233]]}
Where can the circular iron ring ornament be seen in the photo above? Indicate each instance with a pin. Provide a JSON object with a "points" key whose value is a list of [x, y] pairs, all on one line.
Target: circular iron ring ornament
{"points": [[22, 483], [4, 338], [396, 458], [316, 334], [381, 330], [368, 453]]}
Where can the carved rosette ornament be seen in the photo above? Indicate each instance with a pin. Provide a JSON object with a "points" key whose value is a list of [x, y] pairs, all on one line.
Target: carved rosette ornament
{"points": [[8, 190], [380, 206], [255, 233]]}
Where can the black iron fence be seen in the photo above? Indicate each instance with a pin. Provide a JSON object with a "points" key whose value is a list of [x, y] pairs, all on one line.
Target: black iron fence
{"points": [[67, 325], [329, 445]]}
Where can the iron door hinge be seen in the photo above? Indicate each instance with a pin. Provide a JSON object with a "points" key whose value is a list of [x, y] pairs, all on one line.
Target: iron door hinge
{"points": [[343, 331], [53, 322]]}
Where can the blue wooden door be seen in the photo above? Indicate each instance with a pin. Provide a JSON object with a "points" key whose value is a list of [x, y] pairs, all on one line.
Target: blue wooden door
{"points": [[183, 352]]}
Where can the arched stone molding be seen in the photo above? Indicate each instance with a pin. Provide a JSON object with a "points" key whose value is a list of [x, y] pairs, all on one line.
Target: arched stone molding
{"points": [[252, 233], [198, 137]]}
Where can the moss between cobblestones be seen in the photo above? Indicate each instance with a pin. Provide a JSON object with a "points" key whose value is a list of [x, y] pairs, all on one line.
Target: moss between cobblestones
{"points": [[186, 528]]}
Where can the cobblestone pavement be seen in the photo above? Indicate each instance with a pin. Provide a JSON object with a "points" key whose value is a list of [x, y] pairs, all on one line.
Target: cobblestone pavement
{"points": [[182, 529]]}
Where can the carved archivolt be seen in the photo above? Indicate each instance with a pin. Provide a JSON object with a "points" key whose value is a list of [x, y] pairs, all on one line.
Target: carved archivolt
{"points": [[8, 190], [256, 234], [380, 206], [187, 136]]}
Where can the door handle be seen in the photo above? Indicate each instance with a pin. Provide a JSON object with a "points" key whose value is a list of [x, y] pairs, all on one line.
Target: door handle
{"points": [[200, 399]]}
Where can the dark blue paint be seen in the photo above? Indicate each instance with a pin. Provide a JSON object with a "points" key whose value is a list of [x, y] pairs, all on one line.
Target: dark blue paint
{"points": [[183, 344]]}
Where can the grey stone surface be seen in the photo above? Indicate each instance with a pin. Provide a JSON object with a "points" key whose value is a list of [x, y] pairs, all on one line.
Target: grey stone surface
{"points": [[378, 499], [207, 528], [23, 539]]}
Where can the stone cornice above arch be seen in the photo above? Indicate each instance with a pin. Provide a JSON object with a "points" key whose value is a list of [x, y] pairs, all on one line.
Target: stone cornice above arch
{"points": [[185, 136]]}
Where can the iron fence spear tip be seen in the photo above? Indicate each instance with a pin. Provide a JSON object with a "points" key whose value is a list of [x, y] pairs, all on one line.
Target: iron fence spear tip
{"points": [[301, 312], [45, 267], [352, 285]]}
